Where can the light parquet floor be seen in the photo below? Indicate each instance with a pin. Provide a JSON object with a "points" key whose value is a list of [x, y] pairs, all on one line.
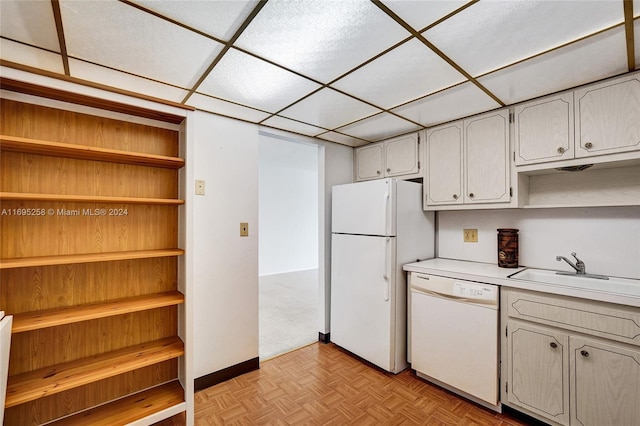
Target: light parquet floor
{"points": [[324, 385]]}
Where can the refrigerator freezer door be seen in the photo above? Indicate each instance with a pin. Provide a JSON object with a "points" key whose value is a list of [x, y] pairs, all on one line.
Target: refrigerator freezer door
{"points": [[364, 208], [363, 297]]}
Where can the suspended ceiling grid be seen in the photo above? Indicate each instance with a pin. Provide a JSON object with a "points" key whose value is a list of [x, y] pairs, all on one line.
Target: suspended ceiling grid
{"points": [[346, 71]]}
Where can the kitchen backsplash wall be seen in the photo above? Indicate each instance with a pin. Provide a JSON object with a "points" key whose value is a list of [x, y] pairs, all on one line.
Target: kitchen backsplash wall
{"points": [[607, 239]]}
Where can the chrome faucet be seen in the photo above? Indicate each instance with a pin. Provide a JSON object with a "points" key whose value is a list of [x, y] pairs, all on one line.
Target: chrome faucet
{"points": [[578, 266]]}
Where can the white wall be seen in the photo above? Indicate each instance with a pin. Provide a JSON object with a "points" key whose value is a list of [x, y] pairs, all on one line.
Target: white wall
{"points": [[288, 205], [225, 264], [607, 239]]}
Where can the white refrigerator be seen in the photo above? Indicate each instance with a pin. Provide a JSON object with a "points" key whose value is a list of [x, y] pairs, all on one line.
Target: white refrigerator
{"points": [[377, 226]]}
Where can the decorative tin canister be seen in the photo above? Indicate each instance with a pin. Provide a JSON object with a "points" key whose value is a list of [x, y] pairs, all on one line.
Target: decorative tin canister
{"points": [[508, 248]]}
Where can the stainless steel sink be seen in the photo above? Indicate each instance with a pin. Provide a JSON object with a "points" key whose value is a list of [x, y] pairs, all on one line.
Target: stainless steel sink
{"points": [[624, 286]]}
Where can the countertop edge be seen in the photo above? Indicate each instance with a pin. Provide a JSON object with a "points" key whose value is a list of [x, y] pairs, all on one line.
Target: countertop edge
{"points": [[464, 270]]}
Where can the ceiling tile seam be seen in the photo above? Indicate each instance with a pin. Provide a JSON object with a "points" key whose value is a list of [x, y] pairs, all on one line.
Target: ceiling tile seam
{"points": [[30, 45], [437, 51], [302, 134], [342, 126], [297, 121], [57, 17], [92, 84], [569, 43], [172, 21], [629, 33], [345, 135], [226, 47], [233, 102], [449, 15]]}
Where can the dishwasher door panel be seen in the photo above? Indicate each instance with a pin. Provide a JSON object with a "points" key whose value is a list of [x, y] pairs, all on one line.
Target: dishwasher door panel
{"points": [[456, 343]]}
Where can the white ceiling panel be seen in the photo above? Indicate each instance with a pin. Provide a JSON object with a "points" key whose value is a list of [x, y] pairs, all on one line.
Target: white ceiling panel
{"points": [[342, 139], [596, 58], [123, 37], [329, 109], [292, 126], [406, 73], [124, 81], [241, 78], [220, 18], [492, 34], [29, 22], [31, 56], [378, 127], [420, 14], [636, 8], [320, 39], [457, 102], [218, 106]]}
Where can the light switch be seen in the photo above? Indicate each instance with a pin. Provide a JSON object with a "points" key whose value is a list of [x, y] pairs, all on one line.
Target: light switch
{"points": [[470, 235], [199, 187], [244, 229]]}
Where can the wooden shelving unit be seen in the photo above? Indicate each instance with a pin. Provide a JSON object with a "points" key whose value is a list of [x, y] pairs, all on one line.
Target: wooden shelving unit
{"points": [[82, 152], [94, 295], [29, 321]]}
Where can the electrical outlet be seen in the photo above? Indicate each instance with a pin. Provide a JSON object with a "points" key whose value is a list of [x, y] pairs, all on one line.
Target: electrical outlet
{"points": [[470, 235], [199, 187], [244, 229]]}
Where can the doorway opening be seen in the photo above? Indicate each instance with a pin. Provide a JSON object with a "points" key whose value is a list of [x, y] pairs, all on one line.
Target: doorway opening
{"points": [[288, 244]]}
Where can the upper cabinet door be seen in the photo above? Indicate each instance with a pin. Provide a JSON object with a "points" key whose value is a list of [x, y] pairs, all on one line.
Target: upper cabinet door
{"points": [[487, 177], [369, 162], [401, 156], [444, 165], [608, 117], [544, 130]]}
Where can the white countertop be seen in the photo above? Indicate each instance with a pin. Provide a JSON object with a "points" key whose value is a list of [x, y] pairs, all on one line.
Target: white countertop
{"points": [[493, 274]]}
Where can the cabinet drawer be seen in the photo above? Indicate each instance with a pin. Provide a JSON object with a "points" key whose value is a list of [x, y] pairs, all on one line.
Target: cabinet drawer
{"points": [[615, 322]]}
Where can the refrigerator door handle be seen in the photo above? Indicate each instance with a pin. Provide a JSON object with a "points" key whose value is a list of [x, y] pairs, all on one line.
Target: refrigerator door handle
{"points": [[387, 267], [387, 214]]}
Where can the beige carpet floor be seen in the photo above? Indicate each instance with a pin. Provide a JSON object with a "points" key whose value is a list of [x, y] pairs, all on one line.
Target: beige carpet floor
{"points": [[288, 313]]}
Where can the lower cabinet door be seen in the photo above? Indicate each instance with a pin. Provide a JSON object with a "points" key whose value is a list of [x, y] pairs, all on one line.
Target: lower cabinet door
{"points": [[606, 383], [538, 375]]}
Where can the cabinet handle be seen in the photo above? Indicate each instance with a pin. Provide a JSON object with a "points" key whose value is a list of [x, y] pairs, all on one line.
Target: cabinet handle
{"points": [[455, 196], [471, 195], [378, 172], [553, 345], [588, 145], [584, 353], [388, 170], [561, 150]]}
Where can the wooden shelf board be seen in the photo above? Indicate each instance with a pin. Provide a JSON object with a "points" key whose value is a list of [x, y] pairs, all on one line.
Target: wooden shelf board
{"points": [[131, 408], [23, 196], [39, 383], [82, 152], [25, 262], [36, 320]]}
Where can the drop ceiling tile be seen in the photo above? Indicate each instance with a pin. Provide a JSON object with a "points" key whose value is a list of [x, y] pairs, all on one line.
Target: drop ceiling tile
{"points": [[29, 22], [329, 109], [457, 102], [407, 72], [219, 106], [246, 80], [378, 127], [113, 78], [420, 14], [292, 126], [320, 39], [120, 36], [219, 18], [492, 34], [31, 56], [592, 59]]}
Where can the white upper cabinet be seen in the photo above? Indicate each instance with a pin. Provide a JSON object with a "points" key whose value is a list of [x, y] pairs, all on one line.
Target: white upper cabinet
{"points": [[544, 130], [468, 163], [486, 158], [369, 162], [398, 157], [608, 117], [444, 165]]}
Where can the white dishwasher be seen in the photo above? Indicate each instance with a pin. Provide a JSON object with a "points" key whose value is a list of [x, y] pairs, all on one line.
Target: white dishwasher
{"points": [[454, 335]]}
